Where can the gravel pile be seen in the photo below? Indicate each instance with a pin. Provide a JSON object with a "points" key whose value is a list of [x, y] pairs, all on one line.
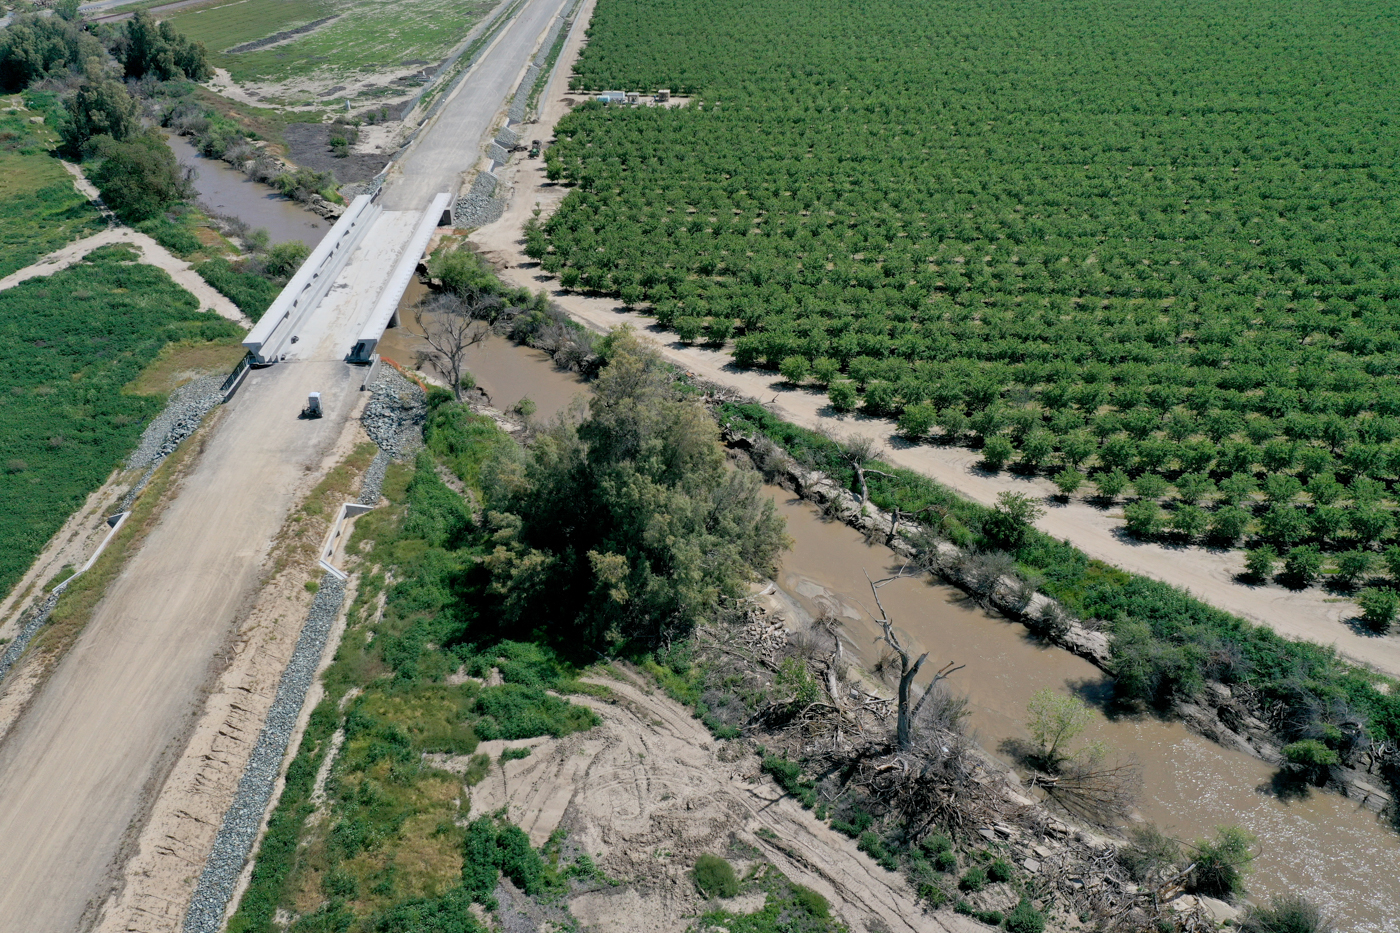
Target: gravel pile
{"points": [[373, 481], [507, 137], [522, 94], [479, 206], [394, 417], [239, 829], [186, 409], [497, 154]]}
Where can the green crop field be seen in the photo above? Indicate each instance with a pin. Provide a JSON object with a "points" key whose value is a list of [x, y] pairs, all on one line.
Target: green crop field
{"points": [[1158, 239], [40, 210], [364, 36], [71, 342]]}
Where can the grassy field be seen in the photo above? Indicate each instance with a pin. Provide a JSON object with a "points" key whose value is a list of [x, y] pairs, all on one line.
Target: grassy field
{"points": [[40, 210], [72, 341], [1095, 240], [364, 36]]}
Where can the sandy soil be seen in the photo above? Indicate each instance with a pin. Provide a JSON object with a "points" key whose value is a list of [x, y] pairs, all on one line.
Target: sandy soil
{"points": [[650, 789], [151, 252], [1209, 575]]}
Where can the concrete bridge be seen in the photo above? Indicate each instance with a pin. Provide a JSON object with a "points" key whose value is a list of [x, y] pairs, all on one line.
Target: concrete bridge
{"points": [[80, 769]]}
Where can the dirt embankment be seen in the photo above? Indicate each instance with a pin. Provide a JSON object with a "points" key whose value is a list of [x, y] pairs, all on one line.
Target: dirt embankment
{"points": [[650, 790], [1210, 575]]}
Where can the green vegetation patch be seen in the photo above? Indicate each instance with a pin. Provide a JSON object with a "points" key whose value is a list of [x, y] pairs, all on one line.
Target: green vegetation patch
{"points": [[40, 209], [362, 36], [788, 907], [71, 341], [1079, 236]]}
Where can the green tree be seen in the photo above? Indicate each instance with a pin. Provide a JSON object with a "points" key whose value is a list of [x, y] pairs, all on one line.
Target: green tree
{"points": [[1192, 487], [1010, 520], [627, 529], [138, 177], [1054, 721], [1311, 758], [1378, 607], [1190, 520], [996, 452], [1353, 565], [1150, 486], [1077, 447], [825, 370], [1068, 481], [1260, 562], [147, 47], [842, 395], [101, 108], [1035, 450], [1228, 524], [917, 420], [1111, 484], [795, 369], [1143, 519], [1302, 565]]}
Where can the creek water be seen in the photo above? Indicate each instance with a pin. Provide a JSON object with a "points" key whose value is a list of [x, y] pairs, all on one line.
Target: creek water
{"points": [[506, 370], [1323, 845], [228, 191]]}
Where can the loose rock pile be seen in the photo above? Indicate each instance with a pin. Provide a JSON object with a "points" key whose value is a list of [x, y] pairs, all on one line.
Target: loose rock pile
{"points": [[480, 205], [38, 615], [394, 417], [239, 829], [187, 407], [522, 94]]}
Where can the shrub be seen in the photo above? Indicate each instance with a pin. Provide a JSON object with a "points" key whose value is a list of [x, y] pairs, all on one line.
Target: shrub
{"points": [[811, 901], [1289, 913], [788, 775], [794, 369], [1303, 565], [715, 877], [1221, 863], [842, 395], [1024, 918], [1000, 870], [1143, 519], [947, 861], [1259, 562], [514, 754], [1311, 757], [973, 880], [996, 452], [1149, 853], [1010, 520], [138, 177], [1378, 607]]}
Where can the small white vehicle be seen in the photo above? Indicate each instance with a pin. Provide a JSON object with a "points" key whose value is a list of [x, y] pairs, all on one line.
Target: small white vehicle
{"points": [[313, 406]]}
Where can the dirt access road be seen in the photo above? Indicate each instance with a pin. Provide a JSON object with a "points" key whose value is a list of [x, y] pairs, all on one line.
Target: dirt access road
{"points": [[1208, 575], [80, 768]]}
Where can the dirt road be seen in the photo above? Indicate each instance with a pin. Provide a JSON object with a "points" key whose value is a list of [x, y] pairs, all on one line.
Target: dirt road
{"points": [[77, 768], [1208, 575]]}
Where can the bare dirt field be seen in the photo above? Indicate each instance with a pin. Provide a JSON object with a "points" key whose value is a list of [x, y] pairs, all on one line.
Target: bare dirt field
{"points": [[650, 789], [1209, 575]]}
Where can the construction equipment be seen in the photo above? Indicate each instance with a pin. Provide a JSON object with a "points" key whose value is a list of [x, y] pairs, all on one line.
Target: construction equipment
{"points": [[313, 406], [534, 148]]}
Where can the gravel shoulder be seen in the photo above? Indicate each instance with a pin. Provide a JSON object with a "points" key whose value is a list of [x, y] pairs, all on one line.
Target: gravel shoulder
{"points": [[1207, 574]]}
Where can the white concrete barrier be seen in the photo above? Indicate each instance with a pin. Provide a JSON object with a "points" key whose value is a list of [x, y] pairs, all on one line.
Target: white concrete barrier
{"points": [[310, 283], [386, 308]]}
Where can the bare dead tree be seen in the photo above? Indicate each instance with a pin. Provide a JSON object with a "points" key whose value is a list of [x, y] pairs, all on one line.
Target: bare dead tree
{"points": [[858, 451], [450, 330], [908, 668]]}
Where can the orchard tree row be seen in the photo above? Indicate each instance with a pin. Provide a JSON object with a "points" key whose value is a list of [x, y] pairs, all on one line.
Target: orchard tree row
{"points": [[1119, 246]]}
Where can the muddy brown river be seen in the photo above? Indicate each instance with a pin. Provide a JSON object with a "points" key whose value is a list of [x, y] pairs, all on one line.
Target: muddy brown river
{"points": [[228, 191], [1323, 846]]}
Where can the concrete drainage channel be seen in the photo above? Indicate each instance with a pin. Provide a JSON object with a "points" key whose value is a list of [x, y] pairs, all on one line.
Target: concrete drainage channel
{"points": [[185, 411], [393, 418]]}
